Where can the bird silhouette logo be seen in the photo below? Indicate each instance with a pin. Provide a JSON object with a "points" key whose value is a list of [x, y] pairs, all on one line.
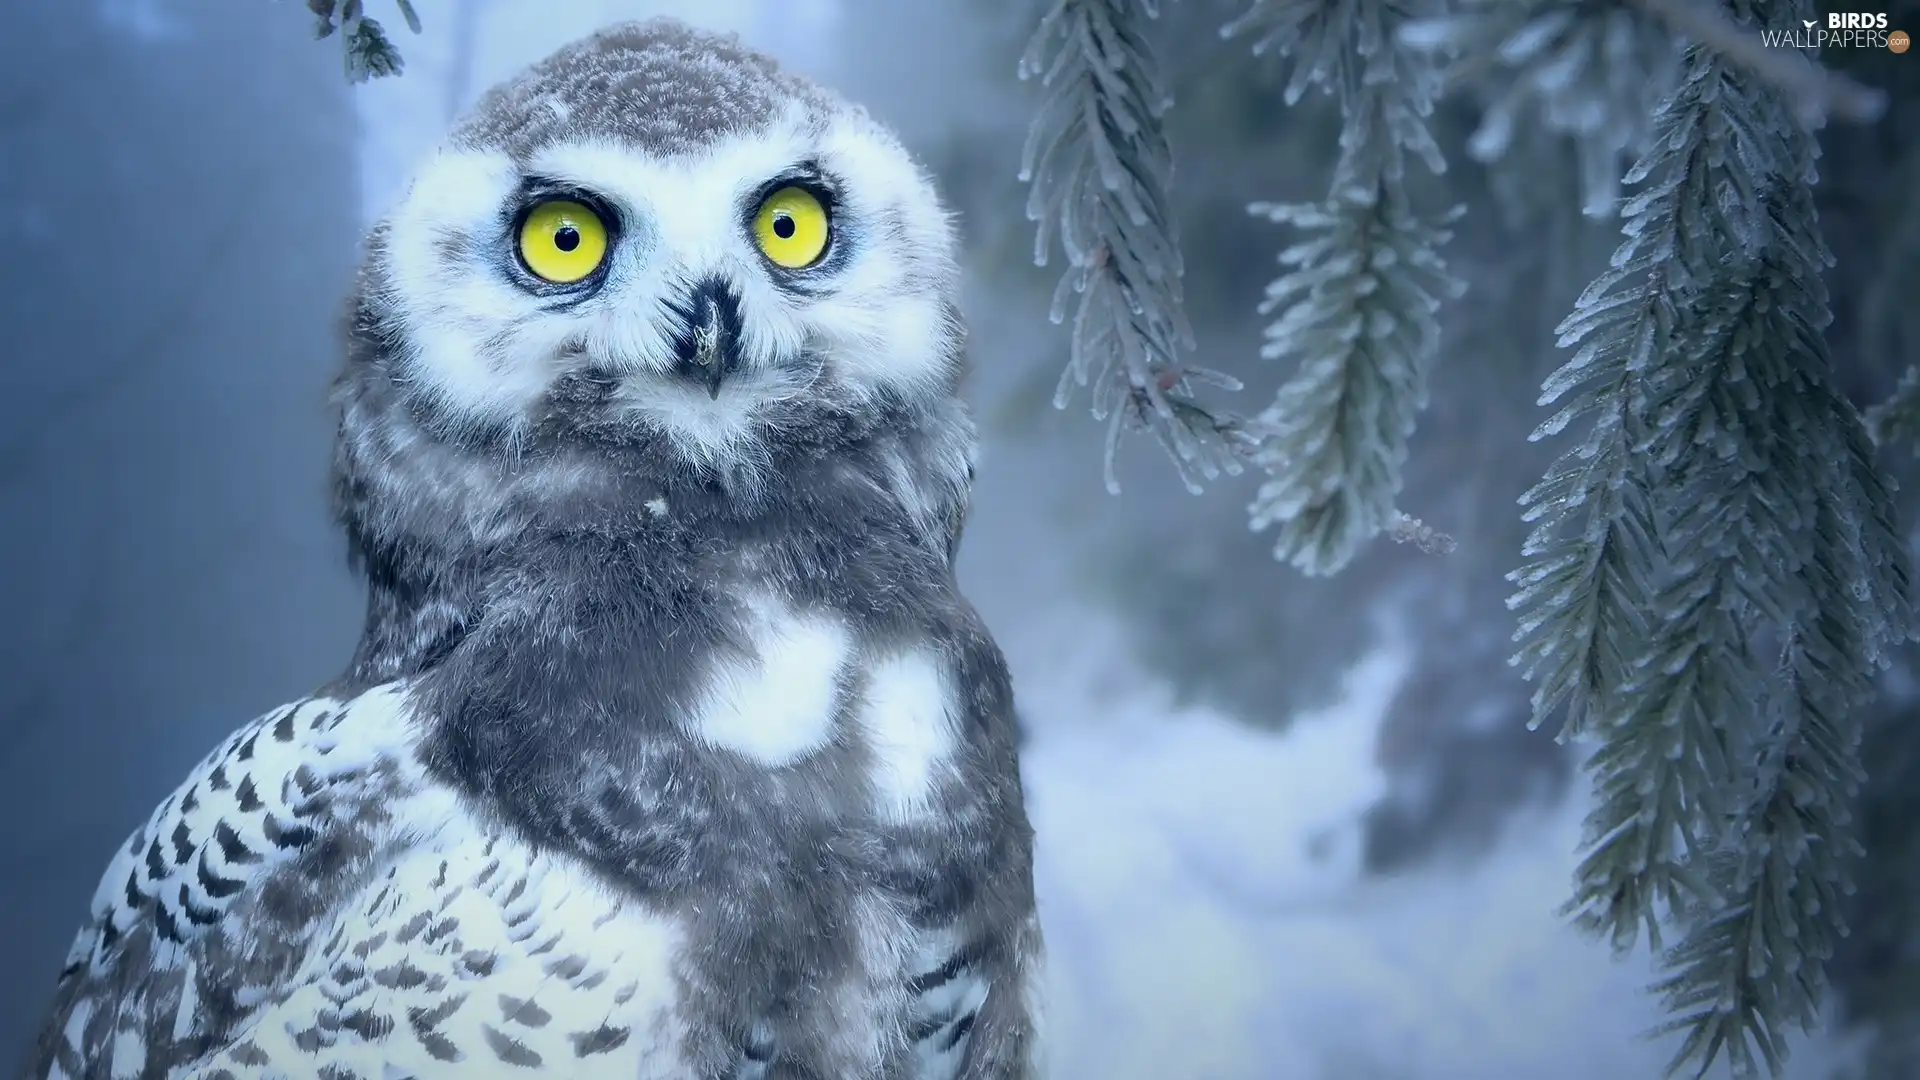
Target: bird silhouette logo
{"points": [[1809, 22]]}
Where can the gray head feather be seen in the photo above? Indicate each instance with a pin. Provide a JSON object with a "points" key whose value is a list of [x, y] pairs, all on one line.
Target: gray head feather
{"points": [[659, 86]]}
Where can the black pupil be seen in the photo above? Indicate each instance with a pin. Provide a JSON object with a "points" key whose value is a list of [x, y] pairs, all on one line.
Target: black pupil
{"points": [[783, 226], [566, 238]]}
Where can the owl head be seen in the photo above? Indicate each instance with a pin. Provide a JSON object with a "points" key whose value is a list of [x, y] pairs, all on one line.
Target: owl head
{"points": [[652, 286], [656, 234]]}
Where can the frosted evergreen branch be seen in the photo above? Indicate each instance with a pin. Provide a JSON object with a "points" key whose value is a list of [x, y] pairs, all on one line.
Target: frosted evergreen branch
{"points": [[1817, 559], [365, 47], [1100, 167], [1356, 306], [1897, 419], [1590, 72], [1814, 91], [1588, 580], [1359, 320], [1754, 968], [1743, 483], [1725, 434], [1737, 526], [1348, 48], [1592, 556], [1583, 592]]}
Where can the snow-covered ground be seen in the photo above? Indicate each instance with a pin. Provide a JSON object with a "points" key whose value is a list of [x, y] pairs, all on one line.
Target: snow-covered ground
{"points": [[1199, 880], [1206, 918]]}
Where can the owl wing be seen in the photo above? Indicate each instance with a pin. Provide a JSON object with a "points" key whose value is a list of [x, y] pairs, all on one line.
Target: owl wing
{"points": [[211, 904]]}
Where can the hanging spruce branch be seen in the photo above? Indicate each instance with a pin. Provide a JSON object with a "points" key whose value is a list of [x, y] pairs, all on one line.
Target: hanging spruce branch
{"points": [[1665, 752], [1725, 484], [1753, 963], [1356, 309], [1099, 165], [1592, 73], [367, 51]]}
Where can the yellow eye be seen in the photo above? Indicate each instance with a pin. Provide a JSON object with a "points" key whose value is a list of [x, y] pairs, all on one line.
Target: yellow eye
{"points": [[791, 228], [562, 241]]}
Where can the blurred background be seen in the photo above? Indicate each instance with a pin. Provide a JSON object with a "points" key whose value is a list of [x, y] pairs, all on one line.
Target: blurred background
{"points": [[1289, 827]]}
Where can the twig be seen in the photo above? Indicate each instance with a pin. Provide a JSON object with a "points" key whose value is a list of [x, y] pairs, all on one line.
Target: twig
{"points": [[1817, 92], [1407, 529]]}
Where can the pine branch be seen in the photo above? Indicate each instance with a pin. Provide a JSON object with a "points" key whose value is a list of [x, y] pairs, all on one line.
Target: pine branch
{"points": [[1727, 520], [1592, 73], [1828, 574], [1742, 483], [1593, 555], [1356, 308], [1747, 973], [365, 47], [1100, 167], [1751, 970]]}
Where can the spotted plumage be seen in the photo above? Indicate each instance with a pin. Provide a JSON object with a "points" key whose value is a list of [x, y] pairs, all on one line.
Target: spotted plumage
{"points": [[670, 749]]}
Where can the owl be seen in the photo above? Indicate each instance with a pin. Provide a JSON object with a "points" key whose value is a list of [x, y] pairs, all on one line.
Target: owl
{"points": [[670, 749]]}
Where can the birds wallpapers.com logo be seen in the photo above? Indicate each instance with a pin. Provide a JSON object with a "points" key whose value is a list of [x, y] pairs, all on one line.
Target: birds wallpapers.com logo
{"points": [[1840, 29]]}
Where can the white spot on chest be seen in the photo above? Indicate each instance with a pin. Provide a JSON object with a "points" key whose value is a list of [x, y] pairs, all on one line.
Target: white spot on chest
{"points": [[777, 704], [907, 718]]}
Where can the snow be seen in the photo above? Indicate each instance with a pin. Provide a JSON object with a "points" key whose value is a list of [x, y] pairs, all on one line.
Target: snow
{"points": [[1199, 881]]}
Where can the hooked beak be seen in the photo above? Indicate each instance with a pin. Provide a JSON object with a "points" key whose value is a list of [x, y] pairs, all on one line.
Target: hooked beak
{"points": [[708, 346]]}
